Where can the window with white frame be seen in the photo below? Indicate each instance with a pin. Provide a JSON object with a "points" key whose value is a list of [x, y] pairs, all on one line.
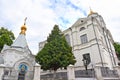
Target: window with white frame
{"points": [[67, 37], [86, 58], [84, 38]]}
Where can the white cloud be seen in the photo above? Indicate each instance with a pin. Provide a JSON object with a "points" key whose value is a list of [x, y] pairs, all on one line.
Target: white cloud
{"points": [[43, 14]]}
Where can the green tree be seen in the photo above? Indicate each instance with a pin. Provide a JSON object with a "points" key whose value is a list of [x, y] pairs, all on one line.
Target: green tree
{"points": [[56, 53], [6, 37], [117, 49]]}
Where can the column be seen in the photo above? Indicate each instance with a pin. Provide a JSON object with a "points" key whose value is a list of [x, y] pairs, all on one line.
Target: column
{"points": [[70, 72], [1, 71], [37, 69], [117, 68], [98, 73]]}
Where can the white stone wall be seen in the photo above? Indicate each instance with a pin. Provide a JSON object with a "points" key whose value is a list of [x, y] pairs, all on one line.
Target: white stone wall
{"points": [[12, 60], [12, 57]]}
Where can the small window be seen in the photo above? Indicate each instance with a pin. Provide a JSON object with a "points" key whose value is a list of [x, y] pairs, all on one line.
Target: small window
{"points": [[6, 72], [81, 20], [82, 28], [84, 38], [67, 37], [86, 58]]}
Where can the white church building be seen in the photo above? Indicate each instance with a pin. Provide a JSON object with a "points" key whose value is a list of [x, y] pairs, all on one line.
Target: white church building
{"points": [[90, 38]]}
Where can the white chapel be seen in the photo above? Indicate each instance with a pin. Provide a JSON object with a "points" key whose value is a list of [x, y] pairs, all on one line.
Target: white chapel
{"points": [[17, 60]]}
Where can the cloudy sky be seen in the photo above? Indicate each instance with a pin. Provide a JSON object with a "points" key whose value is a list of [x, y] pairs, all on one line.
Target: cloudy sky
{"points": [[43, 14]]}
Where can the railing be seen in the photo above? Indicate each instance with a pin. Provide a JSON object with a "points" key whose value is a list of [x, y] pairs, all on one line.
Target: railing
{"points": [[59, 76], [90, 73], [106, 72], [14, 76]]}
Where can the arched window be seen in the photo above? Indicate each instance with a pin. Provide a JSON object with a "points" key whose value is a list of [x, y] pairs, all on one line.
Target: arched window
{"points": [[67, 37], [82, 28]]}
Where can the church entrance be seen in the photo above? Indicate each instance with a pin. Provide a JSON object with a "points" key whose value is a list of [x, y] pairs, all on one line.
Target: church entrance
{"points": [[22, 72], [21, 75]]}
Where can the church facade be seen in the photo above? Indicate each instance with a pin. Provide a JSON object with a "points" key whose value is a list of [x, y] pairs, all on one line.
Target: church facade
{"points": [[90, 38], [17, 61]]}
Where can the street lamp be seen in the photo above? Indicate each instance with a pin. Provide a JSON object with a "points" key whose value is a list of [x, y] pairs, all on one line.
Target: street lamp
{"points": [[85, 63], [86, 60]]}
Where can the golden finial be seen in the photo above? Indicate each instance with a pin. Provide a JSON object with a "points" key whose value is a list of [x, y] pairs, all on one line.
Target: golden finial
{"points": [[23, 28], [91, 12]]}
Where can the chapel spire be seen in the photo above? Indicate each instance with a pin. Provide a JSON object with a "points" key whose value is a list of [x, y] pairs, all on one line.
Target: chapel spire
{"points": [[24, 28]]}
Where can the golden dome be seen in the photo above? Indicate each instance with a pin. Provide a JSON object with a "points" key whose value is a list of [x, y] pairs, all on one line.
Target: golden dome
{"points": [[23, 28], [91, 12]]}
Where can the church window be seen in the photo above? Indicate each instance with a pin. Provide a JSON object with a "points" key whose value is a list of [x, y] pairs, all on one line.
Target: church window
{"points": [[84, 38], [81, 20], [86, 59], [6, 72], [82, 28], [67, 37]]}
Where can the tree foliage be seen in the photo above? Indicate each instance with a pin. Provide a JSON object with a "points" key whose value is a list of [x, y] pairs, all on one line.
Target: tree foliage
{"points": [[6, 37], [117, 49], [56, 53]]}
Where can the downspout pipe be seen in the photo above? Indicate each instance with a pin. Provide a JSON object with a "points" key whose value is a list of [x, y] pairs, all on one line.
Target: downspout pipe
{"points": [[107, 45], [72, 39], [97, 42], [111, 49]]}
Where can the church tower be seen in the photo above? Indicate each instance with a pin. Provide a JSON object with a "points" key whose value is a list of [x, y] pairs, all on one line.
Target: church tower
{"points": [[18, 60]]}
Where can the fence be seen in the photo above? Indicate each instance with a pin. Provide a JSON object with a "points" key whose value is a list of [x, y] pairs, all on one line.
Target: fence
{"points": [[14, 75], [90, 73], [106, 72], [63, 75], [83, 74], [59, 76]]}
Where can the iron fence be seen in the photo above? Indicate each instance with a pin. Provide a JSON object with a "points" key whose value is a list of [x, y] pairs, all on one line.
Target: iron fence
{"points": [[59, 76]]}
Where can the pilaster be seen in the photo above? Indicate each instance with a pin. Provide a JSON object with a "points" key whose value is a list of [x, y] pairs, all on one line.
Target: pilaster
{"points": [[1, 71], [70, 72], [37, 69]]}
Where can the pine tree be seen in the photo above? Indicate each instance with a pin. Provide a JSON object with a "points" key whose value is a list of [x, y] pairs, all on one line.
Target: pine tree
{"points": [[56, 53]]}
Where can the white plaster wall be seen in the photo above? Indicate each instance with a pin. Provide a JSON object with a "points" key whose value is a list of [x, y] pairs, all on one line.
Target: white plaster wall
{"points": [[13, 57], [10, 57]]}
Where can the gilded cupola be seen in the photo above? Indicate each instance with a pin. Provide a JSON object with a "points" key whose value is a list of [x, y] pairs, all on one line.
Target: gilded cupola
{"points": [[24, 28]]}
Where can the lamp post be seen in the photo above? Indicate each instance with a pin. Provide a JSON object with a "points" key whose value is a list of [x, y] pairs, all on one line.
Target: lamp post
{"points": [[85, 64], [86, 61]]}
